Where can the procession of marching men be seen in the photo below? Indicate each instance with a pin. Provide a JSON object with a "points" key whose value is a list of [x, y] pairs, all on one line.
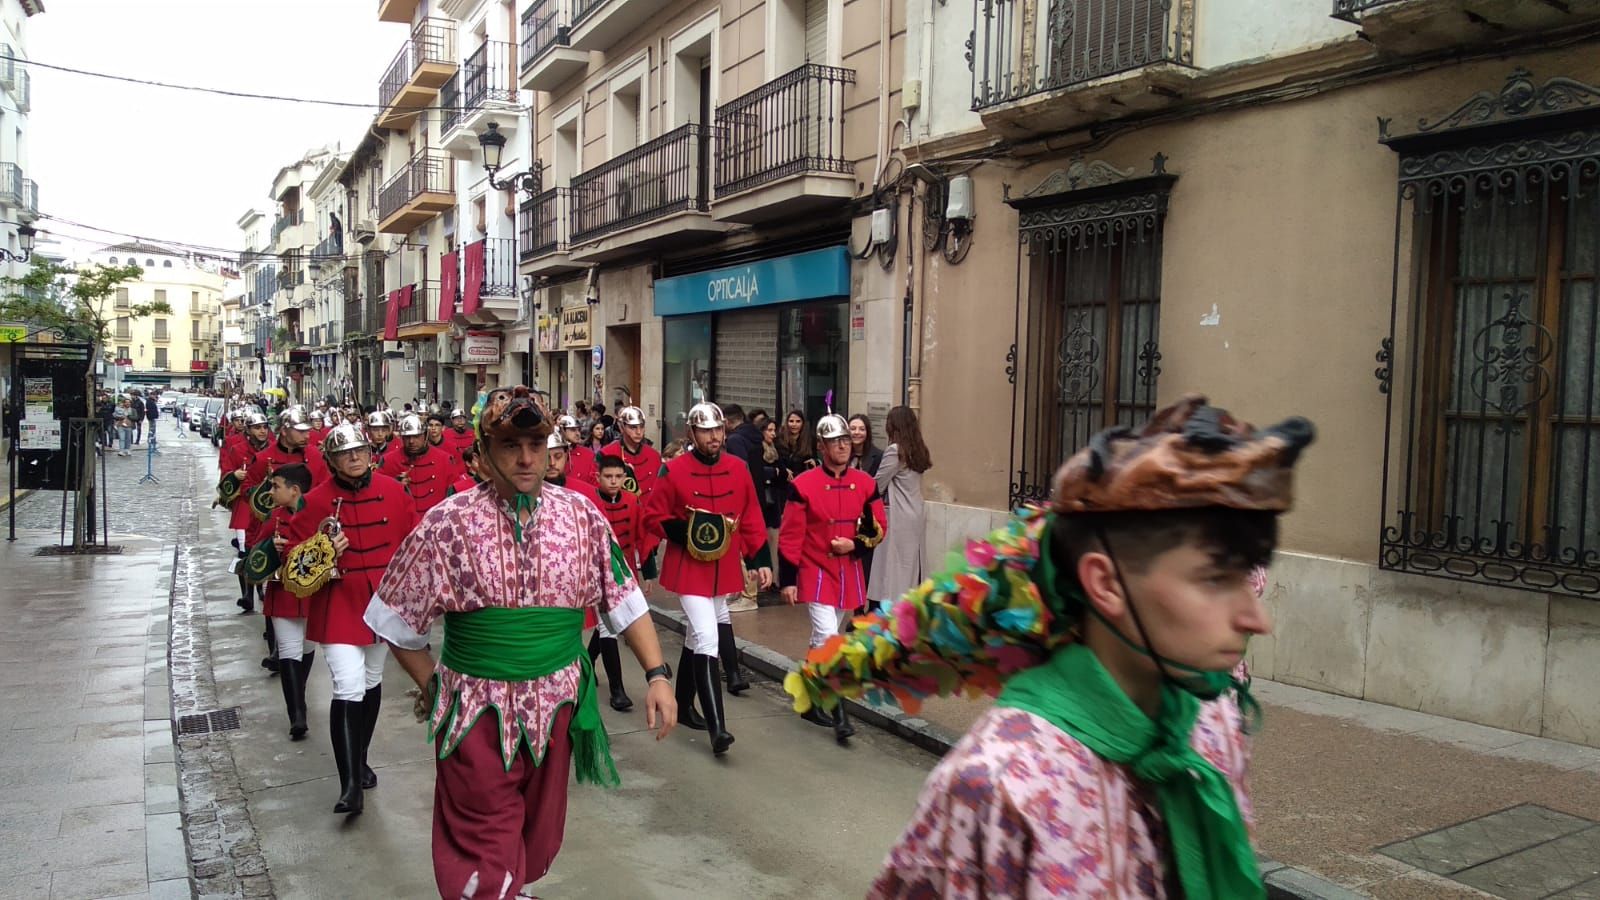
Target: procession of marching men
{"points": [[322, 502]]}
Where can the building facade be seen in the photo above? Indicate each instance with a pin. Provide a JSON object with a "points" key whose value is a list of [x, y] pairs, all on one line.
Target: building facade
{"points": [[258, 272], [181, 349], [1379, 214], [19, 193]]}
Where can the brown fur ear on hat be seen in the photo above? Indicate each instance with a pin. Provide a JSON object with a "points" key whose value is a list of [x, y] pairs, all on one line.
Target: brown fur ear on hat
{"points": [[1188, 455], [512, 412]]}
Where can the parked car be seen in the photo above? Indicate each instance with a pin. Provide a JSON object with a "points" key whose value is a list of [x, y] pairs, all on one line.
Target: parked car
{"points": [[210, 415], [169, 401], [192, 412]]}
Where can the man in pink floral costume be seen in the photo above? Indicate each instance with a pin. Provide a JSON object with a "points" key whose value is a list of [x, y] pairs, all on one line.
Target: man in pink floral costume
{"points": [[511, 703], [1111, 627]]}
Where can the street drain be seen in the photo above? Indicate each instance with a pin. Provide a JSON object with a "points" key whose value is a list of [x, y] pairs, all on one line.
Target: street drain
{"points": [[86, 550], [209, 722]]}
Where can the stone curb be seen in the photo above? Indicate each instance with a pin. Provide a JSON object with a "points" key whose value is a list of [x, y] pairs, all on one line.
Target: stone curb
{"points": [[5, 497], [1283, 882], [225, 858]]}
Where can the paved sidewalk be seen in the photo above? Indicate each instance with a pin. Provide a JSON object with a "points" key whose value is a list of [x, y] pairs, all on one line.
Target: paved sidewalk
{"points": [[1382, 801]]}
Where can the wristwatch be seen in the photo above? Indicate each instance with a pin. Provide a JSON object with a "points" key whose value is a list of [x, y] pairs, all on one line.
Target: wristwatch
{"points": [[664, 670]]}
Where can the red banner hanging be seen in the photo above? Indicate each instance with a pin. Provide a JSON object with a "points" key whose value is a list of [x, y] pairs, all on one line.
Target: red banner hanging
{"points": [[391, 318], [449, 276], [472, 289]]}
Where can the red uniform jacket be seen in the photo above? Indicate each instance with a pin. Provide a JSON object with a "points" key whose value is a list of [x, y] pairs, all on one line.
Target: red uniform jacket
{"points": [[278, 602], [724, 487], [579, 487], [823, 506], [375, 519], [235, 453], [626, 514], [240, 517], [457, 441], [581, 465], [463, 484], [644, 466], [379, 454], [427, 477]]}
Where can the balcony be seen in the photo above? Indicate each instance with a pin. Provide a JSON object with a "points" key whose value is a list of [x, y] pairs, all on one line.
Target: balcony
{"points": [[497, 296], [329, 252], [402, 11], [424, 188], [30, 199], [548, 58], [598, 24], [780, 148], [543, 224], [653, 195], [1089, 60], [161, 336], [420, 321], [8, 67], [488, 90], [12, 192], [287, 233], [1418, 26], [420, 69]]}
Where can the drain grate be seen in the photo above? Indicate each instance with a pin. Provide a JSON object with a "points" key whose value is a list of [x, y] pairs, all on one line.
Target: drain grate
{"points": [[209, 722], [86, 550]]}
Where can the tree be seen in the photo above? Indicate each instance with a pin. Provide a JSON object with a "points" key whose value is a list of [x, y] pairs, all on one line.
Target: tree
{"points": [[77, 302]]}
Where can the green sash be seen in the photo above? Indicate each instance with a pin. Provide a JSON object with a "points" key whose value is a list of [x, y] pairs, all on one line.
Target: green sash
{"points": [[503, 644], [1210, 845]]}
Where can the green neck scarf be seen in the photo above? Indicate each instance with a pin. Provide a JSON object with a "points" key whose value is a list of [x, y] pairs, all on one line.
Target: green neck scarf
{"points": [[1210, 845], [504, 644]]}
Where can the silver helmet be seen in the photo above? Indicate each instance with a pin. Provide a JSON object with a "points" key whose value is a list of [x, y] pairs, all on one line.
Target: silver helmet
{"points": [[380, 418], [705, 415], [344, 437], [565, 422], [254, 418], [294, 417], [458, 413], [832, 426], [631, 415], [411, 426], [555, 441]]}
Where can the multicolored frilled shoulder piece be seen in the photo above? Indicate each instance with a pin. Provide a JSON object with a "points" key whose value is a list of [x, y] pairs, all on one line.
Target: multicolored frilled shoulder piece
{"points": [[964, 631]]}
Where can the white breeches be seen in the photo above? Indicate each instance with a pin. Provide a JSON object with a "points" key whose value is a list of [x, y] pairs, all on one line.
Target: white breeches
{"points": [[355, 670], [704, 614], [291, 637], [824, 622]]}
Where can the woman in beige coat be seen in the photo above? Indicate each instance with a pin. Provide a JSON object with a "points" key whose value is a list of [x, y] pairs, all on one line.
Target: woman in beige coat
{"points": [[897, 565]]}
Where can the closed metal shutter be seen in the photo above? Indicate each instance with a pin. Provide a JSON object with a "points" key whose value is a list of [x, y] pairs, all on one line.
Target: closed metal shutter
{"points": [[746, 357], [817, 31]]}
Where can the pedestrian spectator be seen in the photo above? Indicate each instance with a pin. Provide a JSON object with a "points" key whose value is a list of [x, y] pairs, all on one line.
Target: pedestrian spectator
{"points": [[795, 443], [121, 414], [864, 455], [11, 425], [897, 563], [108, 411], [672, 450], [759, 418], [152, 411], [743, 438], [136, 415], [771, 475], [598, 437]]}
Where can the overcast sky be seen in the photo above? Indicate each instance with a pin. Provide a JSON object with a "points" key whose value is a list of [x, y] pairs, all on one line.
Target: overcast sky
{"points": [[184, 166]]}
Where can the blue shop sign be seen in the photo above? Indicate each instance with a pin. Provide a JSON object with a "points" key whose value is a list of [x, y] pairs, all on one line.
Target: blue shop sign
{"points": [[787, 279]]}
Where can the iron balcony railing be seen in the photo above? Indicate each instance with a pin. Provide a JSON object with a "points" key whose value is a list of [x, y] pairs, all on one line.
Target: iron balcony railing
{"points": [[1351, 10], [424, 306], [792, 124], [1015, 56], [658, 178], [425, 173], [8, 67], [542, 223], [284, 223], [499, 267], [432, 41], [30, 195], [11, 184], [582, 9], [450, 104], [487, 76], [546, 24], [329, 251]]}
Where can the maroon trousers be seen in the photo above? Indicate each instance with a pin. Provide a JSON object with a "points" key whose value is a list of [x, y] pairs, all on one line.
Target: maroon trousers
{"points": [[495, 830]]}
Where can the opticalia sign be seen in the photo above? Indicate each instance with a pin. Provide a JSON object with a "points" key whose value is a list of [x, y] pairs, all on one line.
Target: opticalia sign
{"points": [[480, 348], [787, 279]]}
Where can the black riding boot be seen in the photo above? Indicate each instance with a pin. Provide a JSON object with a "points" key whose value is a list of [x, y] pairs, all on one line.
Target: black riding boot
{"points": [[369, 707], [708, 684], [270, 661], [684, 690], [842, 729], [344, 726], [247, 591], [728, 649], [816, 715], [293, 679], [304, 665], [611, 655], [594, 646]]}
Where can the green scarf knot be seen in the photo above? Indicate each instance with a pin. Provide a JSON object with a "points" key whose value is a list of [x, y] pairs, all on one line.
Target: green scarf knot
{"points": [[502, 644], [1210, 844]]}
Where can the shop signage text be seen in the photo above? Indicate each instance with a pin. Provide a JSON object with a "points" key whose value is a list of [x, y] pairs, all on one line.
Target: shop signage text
{"points": [[575, 327], [786, 279], [480, 348]]}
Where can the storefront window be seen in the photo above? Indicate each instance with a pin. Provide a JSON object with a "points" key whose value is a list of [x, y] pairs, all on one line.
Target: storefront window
{"points": [[686, 371], [814, 358]]}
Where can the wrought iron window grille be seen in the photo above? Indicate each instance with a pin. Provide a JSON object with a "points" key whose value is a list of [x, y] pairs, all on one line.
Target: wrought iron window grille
{"points": [[1492, 387], [1086, 343]]}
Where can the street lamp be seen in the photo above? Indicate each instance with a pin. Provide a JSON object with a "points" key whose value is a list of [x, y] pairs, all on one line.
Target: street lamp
{"points": [[494, 147], [25, 236]]}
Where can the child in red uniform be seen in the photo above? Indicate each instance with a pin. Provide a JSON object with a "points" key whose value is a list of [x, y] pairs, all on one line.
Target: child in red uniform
{"points": [[287, 612], [622, 509]]}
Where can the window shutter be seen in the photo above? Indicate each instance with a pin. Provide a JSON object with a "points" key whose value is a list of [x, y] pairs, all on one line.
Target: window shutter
{"points": [[817, 31]]}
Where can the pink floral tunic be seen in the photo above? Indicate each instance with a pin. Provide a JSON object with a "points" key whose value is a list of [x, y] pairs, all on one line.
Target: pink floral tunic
{"points": [[1020, 809], [463, 557]]}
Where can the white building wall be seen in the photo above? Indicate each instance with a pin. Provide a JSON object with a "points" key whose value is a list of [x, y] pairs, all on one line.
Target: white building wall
{"points": [[16, 203]]}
